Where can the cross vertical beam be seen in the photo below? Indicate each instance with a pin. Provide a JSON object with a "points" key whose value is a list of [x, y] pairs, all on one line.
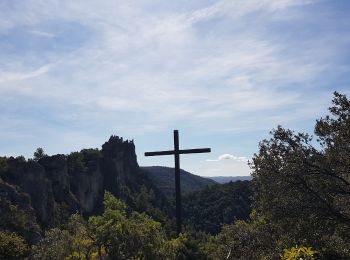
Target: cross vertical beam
{"points": [[176, 152], [177, 181]]}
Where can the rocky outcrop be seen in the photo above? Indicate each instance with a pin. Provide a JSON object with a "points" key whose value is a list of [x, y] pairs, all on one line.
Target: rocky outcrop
{"points": [[119, 165], [56, 170], [30, 178], [87, 181], [57, 186]]}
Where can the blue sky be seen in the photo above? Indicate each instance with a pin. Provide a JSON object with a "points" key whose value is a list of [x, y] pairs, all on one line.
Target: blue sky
{"points": [[222, 72]]}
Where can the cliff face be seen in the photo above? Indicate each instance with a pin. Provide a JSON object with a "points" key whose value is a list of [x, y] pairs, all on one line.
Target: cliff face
{"points": [[59, 185], [87, 183], [119, 165], [30, 178], [17, 214]]}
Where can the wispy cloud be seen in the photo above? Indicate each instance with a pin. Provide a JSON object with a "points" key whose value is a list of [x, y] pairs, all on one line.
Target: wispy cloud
{"points": [[17, 76], [216, 68], [42, 34]]}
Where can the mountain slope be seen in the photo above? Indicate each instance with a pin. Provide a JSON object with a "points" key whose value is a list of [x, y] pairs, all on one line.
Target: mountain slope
{"points": [[226, 179], [164, 179], [208, 209]]}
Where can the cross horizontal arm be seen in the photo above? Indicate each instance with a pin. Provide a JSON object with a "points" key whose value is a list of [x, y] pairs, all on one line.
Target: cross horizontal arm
{"points": [[187, 151], [159, 153], [199, 150]]}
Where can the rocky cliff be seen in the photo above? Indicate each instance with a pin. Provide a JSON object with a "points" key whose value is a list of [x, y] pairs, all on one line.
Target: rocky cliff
{"points": [[52, 188]]}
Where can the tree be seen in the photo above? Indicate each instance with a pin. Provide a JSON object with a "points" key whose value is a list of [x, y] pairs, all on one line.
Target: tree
{"points": [[3, 165], [303, 185], [57, 244], [12, 246], [126, 237], [210, 208], [246, 240], [70, 242], [116, 234], [38, 154], [297, 253]]}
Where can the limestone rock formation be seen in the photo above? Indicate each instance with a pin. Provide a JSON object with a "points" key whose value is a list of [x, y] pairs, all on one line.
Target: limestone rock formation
{"points": [[56, 186], [30, 178]]}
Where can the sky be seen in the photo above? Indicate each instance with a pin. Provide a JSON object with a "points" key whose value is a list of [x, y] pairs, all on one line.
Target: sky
{"points": [[224, 73]]}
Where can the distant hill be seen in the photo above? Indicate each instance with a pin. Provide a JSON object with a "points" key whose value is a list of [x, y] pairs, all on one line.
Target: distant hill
{"points": [[164, 179], [226, 179]]}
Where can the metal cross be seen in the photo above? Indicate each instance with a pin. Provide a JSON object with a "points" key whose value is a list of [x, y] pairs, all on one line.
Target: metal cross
{"points": [[176, 152]]}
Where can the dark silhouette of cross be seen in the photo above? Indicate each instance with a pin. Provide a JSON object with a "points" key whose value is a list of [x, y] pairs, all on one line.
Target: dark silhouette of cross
{"points": [[176, 152]]}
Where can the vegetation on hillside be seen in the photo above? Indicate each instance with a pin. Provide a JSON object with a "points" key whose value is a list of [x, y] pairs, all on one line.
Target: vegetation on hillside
{"points": [[207, 210], [164, 178], [116, 234]]}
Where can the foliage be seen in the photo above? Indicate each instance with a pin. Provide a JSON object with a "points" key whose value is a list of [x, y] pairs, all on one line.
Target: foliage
{"points": [[210, 208], [246, 240], [57, 244], [20, 158], [78, 162], [126, 237], [71, 242], [12, 246], [116, 234], [305, 190], [17, 218], [3, 165], [186, 246], [38, 154], [297, 253], [83, 244], [175, 248]]}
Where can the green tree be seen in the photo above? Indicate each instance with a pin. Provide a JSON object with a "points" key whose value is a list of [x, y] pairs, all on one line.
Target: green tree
{"points": [[123, 237], [297, 253], [57, 244], [210, 208], [3, 165], [116, 234], [70, 242], [38, 154], [12, 246], [253, 239], [303, 185]]}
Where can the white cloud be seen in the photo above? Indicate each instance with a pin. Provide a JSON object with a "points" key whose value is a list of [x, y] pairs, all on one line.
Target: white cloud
{"points": [[227, 156]]}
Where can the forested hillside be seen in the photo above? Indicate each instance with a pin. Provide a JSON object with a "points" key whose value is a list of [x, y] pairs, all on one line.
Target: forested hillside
{"points": [[164, 179], [207, 210], [226, 179]]}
